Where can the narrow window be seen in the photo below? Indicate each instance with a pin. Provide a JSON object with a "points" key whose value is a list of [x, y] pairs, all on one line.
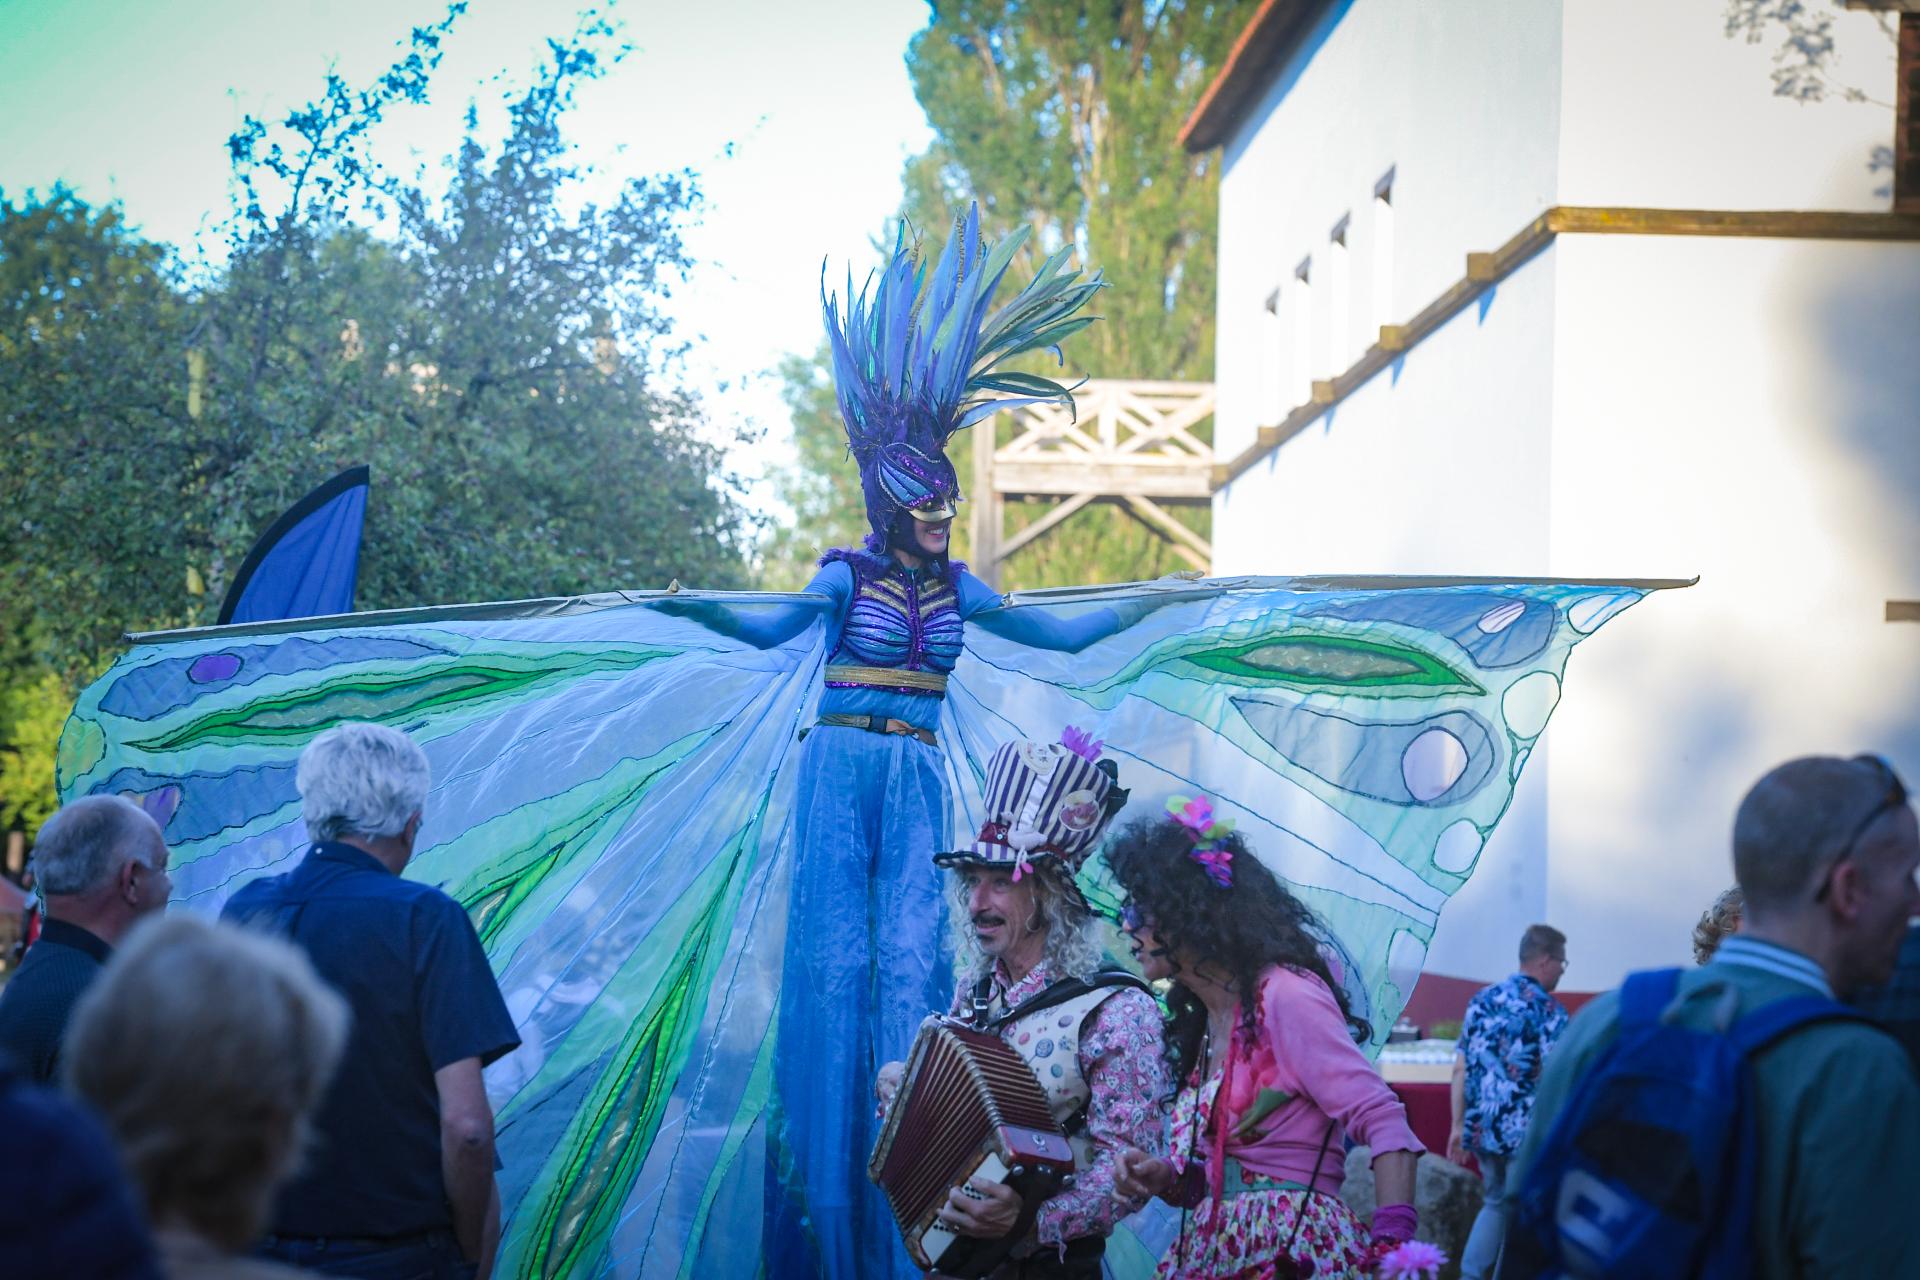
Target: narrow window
{"points": [[1339, 285], [1302, 367], [1273, 362], [1383, 253]]}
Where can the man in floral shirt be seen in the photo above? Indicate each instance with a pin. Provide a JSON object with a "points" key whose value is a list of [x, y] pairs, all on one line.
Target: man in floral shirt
{"points": [[1503, 1046]]}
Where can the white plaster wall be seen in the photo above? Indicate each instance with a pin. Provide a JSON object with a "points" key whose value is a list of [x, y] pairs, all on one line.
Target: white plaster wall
{"points": [[1748, 411], [1438, 464], [1459, 99], [1660, 108]]}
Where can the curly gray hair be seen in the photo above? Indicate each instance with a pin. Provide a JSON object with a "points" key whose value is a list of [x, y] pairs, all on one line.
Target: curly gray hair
{"points": [[1076, 945]]}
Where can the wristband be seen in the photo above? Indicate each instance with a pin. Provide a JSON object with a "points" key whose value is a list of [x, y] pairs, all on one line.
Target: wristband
{"points": [[1395, 1222]]}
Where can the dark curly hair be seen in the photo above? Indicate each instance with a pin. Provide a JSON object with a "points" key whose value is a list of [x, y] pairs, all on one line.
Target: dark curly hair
{"points": [[1243, 929]]}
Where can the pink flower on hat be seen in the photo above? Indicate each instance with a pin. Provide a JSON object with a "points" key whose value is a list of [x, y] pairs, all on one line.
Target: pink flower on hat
{"points": [[1081, 743]]}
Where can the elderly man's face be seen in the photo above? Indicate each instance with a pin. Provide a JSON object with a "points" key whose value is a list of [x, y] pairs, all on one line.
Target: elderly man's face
{"points": [[147, 884], [1002, 912]]}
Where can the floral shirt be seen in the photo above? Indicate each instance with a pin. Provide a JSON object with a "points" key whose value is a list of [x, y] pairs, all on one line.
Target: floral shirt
{"points": [[1504, 1041], [1121, 1059]]}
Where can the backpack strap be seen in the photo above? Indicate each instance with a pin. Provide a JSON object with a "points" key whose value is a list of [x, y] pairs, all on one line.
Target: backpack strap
{"points": [[1771, 1022], [1645, 996], [1060, 992]]}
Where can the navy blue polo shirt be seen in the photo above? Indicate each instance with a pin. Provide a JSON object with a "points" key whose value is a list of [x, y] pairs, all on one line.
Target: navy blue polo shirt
{"points": [[406, 958]]}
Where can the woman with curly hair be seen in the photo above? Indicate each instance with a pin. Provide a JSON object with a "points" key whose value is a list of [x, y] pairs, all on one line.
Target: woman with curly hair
{"points": [[1265, 1051]]}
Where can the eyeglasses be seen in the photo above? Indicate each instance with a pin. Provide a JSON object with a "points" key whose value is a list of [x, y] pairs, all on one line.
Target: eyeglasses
{"points": [[1892, 799], [1129, 917]]}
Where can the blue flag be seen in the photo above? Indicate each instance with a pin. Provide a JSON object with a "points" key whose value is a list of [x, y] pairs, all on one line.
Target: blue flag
{"points": [[306, 565]]}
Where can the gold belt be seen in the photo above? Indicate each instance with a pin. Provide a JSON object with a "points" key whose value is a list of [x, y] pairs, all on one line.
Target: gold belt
{"points": [[879, 724], [889, 678]]}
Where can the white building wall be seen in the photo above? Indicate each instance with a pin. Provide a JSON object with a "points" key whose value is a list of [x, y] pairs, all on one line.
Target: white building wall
{"points": [[1747, 410], [1660, 108], [1458, 100]]}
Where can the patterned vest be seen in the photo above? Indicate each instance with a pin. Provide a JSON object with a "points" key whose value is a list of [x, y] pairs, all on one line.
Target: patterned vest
{"points": [[1049, 1042]]}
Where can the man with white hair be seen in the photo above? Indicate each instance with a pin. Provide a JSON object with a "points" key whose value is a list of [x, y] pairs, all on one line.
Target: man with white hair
{"points": [[101, 864], [401, 1180], [1032, 970]]}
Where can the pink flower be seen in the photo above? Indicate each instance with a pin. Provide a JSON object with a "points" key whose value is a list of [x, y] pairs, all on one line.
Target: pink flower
{"points": [[1081, 743], [1196, 814], [1217, 863], [1413, 1260]]}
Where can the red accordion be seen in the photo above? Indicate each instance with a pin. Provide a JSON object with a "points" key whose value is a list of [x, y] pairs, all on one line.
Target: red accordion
{"points": [[968, 1107]]}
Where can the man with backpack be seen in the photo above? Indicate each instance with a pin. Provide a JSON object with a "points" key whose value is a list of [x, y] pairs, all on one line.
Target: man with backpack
{"points": [[1735, 1120]]}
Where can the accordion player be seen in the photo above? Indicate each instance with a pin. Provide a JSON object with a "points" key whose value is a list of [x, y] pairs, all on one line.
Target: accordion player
{"points": [[968, 1107]]}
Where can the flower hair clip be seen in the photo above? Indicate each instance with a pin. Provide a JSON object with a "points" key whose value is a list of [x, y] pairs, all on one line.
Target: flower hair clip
{"points": [[1209, 835]]}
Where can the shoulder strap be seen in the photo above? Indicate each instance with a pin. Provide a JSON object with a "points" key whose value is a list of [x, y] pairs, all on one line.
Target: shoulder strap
{"points": [[1065, 989], [1771, 1022]]}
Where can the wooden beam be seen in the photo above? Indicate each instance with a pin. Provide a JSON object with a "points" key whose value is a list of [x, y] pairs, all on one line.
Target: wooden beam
{"points": [[1169, 478], [1173, 531], [1485, 270], [1053, 519], [1903, 611], [1784, 224], [1393, 337]]}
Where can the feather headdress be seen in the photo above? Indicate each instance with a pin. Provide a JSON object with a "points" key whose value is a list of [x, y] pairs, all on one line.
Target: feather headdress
{"points": [[917, 357]]}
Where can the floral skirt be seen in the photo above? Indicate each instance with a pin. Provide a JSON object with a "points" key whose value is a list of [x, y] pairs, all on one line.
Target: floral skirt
{"points": [[1257, 1222], [1243, 1237]]}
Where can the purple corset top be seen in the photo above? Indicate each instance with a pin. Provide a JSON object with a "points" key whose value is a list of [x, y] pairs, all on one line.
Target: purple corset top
{"points": [[904, 622]]}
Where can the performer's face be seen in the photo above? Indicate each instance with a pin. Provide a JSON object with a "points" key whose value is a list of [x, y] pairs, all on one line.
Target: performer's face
{"points": [[1003, 913], [930, 537]]}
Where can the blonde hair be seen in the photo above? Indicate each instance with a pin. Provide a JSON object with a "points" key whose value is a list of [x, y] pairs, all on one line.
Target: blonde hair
{"points": [[206, 1048], [1718, 923]]}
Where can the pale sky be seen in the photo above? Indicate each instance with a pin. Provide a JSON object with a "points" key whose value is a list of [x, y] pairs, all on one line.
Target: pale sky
{"points": [[133, 100]]}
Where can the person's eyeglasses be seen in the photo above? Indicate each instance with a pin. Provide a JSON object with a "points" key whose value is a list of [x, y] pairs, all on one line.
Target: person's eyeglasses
{"points": [[1129, 917], [1894, 797]]}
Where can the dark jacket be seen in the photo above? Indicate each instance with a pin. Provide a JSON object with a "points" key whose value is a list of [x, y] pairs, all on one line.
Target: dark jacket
{"points": [[36, 1003], [66, 1209]]}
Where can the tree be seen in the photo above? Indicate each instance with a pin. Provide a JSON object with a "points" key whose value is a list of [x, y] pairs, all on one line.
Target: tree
{"points": [[1804, 64], [497, 355], [1066, 118]]}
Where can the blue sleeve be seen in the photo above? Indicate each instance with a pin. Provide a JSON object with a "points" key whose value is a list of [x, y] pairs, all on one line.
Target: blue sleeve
{"points": [[461, 1012], [768, 626], [1042, 628]]}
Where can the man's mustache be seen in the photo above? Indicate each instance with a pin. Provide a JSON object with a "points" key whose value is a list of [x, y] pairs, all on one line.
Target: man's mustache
{"points": [[987, 918]]}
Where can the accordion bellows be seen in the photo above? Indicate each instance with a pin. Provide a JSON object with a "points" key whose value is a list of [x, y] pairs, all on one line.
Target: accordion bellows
{"points": [[967, 1104]]}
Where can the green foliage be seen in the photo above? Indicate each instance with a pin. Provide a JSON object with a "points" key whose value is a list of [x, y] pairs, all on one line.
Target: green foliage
{"points": [[31, 716], [494, 350], [1065, 118], [823, 487]]}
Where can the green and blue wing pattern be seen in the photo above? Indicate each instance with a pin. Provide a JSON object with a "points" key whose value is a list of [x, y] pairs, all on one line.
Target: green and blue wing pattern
{"points": [[611, 797]]}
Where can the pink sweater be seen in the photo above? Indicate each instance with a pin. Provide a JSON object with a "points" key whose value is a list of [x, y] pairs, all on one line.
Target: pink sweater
{"points": [[1301, 1047]]}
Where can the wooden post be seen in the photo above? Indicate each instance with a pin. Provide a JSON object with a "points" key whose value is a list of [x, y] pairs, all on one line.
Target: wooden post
{"points": [[16, 853], [984, 525]]}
